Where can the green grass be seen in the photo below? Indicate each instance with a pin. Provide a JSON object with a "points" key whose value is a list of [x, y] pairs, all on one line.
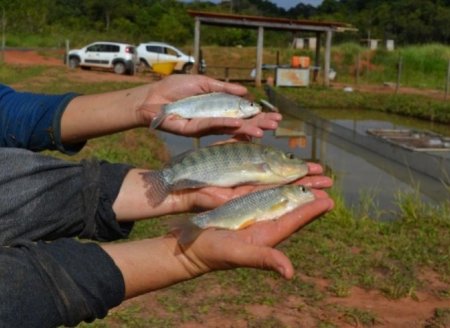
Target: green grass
{"points": [[14, 74], [416, 106], [423, 66]]}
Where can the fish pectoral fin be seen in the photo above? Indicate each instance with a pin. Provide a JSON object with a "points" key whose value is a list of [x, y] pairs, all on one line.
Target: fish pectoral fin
{"points": [[261, 168], [177, 117], [158, 119], [280, 205], [246, 224]]}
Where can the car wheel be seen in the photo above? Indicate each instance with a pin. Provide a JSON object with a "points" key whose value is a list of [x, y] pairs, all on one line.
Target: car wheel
{"points": [[187, 68], [119, 68], [74, 62], [142, 66], [143, 63]]}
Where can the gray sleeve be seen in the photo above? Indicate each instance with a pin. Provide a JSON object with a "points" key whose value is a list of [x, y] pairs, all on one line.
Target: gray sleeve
{"points": [[44, 198], [49, 284]]}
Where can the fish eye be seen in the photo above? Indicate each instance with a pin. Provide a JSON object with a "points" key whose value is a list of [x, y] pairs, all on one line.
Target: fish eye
{"points": [[290, 155], [302, 187]]}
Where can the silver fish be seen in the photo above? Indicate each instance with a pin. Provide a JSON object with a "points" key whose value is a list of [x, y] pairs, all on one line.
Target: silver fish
{"points": [[241, 212], [216, 104], [224, 165]]}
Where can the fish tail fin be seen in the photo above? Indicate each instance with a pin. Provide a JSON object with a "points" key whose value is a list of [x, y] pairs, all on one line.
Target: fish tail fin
{"points": [[157, 120], [157, 187], [184, 229]]}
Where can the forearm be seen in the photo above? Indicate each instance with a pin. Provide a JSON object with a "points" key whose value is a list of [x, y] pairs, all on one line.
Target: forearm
{"points": [[91, 116], [151, 264]]}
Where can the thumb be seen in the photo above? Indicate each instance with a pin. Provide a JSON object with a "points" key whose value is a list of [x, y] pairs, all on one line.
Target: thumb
{"points": [[263, 257]]}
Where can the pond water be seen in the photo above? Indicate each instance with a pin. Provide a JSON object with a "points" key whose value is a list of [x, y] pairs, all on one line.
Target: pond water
{"points": [[363, 177]]}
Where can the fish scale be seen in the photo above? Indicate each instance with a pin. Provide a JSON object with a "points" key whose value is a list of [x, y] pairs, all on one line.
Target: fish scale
{"points": [[224, 165]]}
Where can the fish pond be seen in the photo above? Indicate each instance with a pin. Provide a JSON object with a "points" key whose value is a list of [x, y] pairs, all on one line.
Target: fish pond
{"points": [[369, 172]]}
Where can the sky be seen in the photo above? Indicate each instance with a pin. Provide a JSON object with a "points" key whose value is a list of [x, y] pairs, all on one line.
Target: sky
{"points": [[286, 4]]}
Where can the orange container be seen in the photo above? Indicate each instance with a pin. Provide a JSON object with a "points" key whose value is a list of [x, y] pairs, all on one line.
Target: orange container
{"points": [[300, 61]]}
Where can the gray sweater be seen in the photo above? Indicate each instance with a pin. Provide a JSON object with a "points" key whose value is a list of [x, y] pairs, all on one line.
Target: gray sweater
{"points": [[48, 279]]}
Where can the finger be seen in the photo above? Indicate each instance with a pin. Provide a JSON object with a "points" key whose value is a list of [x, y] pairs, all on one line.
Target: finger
{"points": [[219, 86], [215, 123], [273, 232], [264, 121], [316, 182], [305, 214], [314, 168], [320, 194], [261, 257], [261, 117]]}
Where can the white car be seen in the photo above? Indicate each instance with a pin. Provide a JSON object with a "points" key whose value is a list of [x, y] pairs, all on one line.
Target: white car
{"points": [[121, 57], [159, 52]]}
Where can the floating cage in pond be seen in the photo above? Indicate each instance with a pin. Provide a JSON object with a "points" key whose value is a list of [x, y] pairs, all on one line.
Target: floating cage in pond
{"points": [[413, 139]]}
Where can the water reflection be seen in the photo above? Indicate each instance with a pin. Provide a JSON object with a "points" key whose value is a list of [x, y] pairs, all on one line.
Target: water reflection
{"points": [[363, 175]]}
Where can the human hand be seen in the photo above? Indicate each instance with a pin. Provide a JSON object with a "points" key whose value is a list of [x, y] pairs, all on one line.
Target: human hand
{"points": [[176, 87], [156, 263], [251, 247]]}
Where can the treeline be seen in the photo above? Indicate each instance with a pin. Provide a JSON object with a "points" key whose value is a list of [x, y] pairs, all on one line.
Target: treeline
{"points": [[405, 21]]}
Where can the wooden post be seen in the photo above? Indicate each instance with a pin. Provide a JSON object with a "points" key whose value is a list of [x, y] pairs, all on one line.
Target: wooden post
{"points": [[399, 73], [317, 57], [259, 56], [327, 59], [197, 45], [227, 74], [447, 84], [66, 54]]}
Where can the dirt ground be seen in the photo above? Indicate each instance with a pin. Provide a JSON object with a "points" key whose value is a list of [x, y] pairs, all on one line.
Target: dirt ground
{"points": [[406, 312], [33, 58]]}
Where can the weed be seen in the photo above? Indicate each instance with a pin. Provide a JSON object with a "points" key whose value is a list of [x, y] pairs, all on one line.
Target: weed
{"points": [[358, 317], [269, 322], [440, 319]]}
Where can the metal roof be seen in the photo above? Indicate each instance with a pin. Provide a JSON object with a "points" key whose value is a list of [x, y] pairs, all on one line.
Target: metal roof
{"points": [[276, 23]]}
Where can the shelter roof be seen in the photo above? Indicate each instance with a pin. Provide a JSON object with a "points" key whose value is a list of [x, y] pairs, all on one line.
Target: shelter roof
{"points": [[276, 23]]}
